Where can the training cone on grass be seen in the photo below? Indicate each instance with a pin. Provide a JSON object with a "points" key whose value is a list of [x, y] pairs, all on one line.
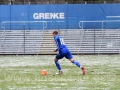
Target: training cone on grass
{"points": [[43, 72]]}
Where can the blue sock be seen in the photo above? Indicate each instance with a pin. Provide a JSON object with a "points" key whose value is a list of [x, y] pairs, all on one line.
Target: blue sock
{"points": [[58, 65], [76, 63]]}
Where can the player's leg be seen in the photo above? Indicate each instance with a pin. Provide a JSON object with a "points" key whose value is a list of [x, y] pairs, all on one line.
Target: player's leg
{"points": [[58, 56], [57, 64], [70, 57], [75, 62], [79, 65]]}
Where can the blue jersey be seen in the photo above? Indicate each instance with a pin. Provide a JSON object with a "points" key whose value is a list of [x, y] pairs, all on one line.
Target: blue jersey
{"points": [[59, 42], [61, 47]]}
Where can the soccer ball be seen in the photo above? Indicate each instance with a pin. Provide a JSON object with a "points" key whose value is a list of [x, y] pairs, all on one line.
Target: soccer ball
{"points": [[43, 72]]}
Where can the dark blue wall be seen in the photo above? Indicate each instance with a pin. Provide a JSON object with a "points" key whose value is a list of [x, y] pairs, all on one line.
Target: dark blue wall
{"points": [[71, 15]]}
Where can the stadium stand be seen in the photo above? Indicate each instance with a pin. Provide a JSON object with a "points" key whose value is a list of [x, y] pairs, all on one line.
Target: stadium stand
{"points": [[78, 41], [102, 41], [13, 42], [47, 45], [83, 42]]}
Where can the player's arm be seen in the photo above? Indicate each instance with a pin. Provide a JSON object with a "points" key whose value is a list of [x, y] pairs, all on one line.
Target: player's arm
{"points": [[55, 38], [55, 49]]}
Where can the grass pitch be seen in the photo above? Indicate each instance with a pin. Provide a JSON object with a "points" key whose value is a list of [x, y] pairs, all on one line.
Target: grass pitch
{"points": [[23, 73]]}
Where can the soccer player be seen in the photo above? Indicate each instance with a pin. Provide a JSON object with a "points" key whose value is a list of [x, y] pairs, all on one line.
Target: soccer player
{"points": [[63, 52]]}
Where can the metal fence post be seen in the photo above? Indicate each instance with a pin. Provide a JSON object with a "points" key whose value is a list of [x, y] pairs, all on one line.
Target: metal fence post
{"points": [[59, 29], [94, 38], [24, 36]]}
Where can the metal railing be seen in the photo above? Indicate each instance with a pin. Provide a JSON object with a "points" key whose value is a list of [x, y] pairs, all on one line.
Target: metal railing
{"points": [[81, 23], [22, 22]]}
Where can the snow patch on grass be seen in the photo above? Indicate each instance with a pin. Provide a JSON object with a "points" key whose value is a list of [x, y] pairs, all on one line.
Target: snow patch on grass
{"points": [[24, 61]]}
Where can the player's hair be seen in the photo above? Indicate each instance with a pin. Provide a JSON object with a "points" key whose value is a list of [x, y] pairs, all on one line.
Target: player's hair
{"points": [[55, 32]]}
